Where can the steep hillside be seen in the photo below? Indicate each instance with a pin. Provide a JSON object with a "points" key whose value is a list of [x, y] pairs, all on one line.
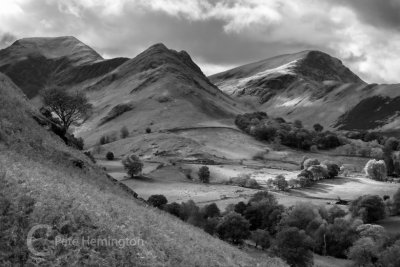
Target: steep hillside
{"points": [[160, 89], [313, 87], [35, 63], [40, 184]]}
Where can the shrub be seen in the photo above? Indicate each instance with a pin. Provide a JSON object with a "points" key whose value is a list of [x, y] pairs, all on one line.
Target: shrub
{"points": [[281, 183], [124, 132], [233, 227], [148, 130], [370, 208], [157, 200], [132, 165], [376, 170], [261, 238], [204, 174], [110, 155], [310, 162]]}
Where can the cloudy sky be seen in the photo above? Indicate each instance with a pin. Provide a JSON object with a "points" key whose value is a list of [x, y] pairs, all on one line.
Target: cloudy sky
{"points": [[220, 34]]}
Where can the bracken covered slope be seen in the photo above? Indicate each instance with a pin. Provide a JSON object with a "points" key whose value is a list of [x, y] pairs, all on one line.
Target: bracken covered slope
{"points": [[39, 184]]}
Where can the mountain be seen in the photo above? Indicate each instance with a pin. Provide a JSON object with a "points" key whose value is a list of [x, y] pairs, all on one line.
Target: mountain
{"points": [[160, 89], [313, 87], [35, 63]]}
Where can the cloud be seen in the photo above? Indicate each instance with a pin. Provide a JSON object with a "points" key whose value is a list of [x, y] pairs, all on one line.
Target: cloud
{"points": [[220, 34]]}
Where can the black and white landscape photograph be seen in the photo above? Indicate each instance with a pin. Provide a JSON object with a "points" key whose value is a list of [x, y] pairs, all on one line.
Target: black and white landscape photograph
{"points": [[204, 133]]}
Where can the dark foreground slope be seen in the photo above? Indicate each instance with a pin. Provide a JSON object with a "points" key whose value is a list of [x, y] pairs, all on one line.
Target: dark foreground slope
{"points": [[41, 184], [315, 88]]}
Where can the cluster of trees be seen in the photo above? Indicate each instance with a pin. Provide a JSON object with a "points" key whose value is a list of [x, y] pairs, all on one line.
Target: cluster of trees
{"points": [[259, 125], [312, 171], [294, 233]]}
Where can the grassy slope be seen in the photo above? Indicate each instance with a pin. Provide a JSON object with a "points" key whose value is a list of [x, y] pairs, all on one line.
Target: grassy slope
{"points": [[37, 165]]}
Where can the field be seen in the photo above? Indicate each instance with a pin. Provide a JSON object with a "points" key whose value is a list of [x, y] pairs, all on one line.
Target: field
{"points": [[171, 181]]}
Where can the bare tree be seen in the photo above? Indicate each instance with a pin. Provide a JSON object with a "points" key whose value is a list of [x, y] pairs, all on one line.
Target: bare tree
{"points": [[68, 107]]}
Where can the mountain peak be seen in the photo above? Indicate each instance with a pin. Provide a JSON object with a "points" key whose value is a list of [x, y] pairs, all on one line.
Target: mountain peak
{"points": [[320, 66], [51, 48], [160, 56]]}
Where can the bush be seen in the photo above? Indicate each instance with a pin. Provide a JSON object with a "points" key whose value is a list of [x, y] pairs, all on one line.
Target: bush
{"points": [[281, 183], [376, 170], [157, 200], [132, 165], [110, 155], [204, 174], [233, 227], [148, 130], [124, 132], [310, 162], [370, 208]]}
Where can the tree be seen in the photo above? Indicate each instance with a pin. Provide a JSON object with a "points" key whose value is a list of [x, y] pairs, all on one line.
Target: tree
{"points": [[148, 130], [363, 251], [261, 238], [69, 108], [157, 200], [370, 208], [204, 174], [133, 165], [298, 124], [281, 183], [240, 208], [310, 162], [293, 245], [391, 255], [110, 155], [210, 225], [124, 132], [332, 167], [173, 208], [233, 227], [318, 172], [376, 170], [318, 127], [211, 211]]}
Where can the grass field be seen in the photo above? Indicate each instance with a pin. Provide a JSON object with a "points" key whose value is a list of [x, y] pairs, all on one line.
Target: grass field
{"points": [[172, 182]]}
